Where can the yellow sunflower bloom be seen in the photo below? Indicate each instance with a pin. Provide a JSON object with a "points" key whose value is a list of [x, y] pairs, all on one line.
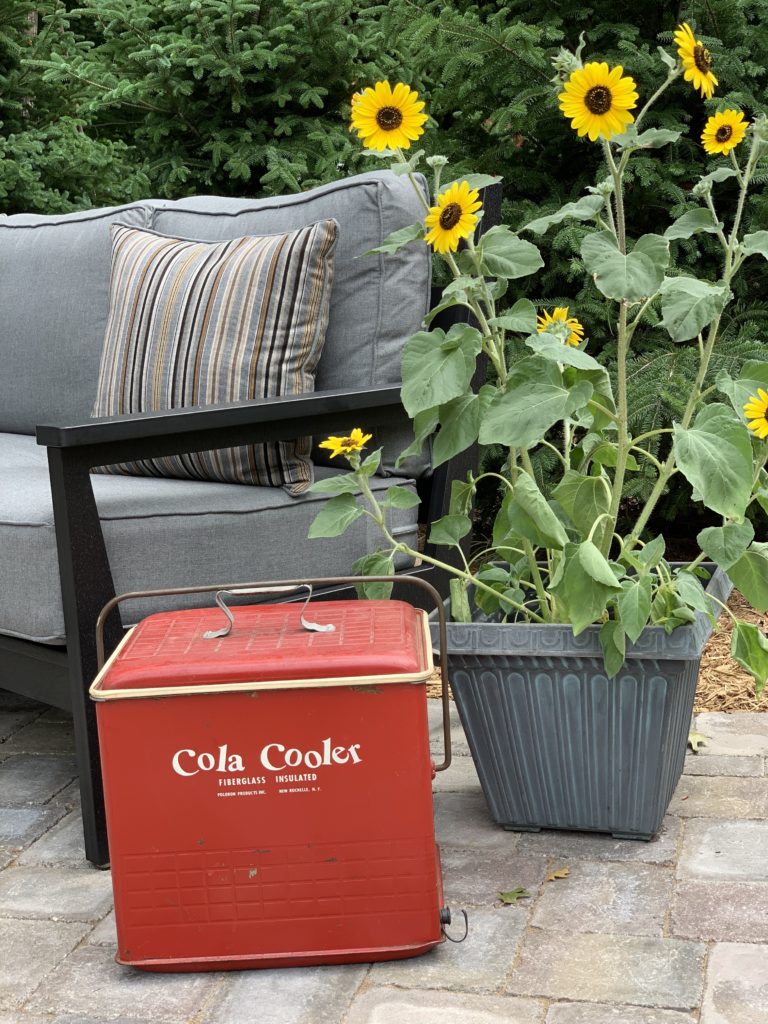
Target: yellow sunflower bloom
{"points": [[560, 316], [724, 131], [387, 118], [756, 411], [346, 445], [453, 218], [697, 61], [597, 100]]}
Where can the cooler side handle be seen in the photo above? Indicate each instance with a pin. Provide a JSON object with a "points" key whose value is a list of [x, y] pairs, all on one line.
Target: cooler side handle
{"points": [[284, 586]]}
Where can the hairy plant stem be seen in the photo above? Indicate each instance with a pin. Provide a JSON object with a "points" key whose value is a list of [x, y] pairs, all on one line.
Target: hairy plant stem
{"points": [[694, 398], [377, 515], [531, 554]]}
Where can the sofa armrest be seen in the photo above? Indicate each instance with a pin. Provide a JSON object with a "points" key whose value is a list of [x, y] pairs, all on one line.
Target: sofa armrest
{"points": [[145, 435]]}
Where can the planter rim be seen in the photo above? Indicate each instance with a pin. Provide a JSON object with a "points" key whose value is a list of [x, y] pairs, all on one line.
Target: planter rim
{"points": [[557, 639]]}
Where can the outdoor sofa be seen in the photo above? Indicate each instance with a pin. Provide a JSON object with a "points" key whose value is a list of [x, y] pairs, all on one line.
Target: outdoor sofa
{"points": [[70, 539]]}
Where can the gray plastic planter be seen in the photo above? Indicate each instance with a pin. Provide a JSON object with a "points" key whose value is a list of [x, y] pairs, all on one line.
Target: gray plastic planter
{"points": [[556, 744]]}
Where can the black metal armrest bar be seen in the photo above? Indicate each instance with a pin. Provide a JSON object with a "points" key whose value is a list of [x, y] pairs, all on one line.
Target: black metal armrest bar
{"points": [[144, 435]]}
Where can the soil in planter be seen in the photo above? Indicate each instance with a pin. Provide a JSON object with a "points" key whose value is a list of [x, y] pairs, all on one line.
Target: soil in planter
{"points": [[723, 685]]}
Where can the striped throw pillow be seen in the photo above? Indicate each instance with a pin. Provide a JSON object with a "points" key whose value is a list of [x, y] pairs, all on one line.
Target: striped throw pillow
{"points": [[201, 323]]}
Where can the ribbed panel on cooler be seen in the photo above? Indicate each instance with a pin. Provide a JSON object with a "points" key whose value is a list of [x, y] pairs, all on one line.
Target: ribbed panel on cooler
{"points": [[558, 745]]}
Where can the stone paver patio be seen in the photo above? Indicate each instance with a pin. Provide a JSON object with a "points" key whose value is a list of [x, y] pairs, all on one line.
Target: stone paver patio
{"points": [[669, 932]]}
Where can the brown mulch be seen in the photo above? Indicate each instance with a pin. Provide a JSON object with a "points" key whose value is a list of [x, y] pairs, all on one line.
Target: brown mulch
{"points": [[723, 685]]}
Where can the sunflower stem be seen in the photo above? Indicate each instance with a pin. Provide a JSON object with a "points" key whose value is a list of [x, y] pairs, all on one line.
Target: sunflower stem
{"points": [[716, 219], [662, 88], [618, 196]]}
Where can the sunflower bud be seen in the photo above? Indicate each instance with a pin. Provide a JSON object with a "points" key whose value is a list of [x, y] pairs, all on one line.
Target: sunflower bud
{"points": [[760, 129], [437, 161]]}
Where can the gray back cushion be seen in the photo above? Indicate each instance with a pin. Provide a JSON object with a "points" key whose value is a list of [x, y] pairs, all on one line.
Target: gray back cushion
{"points": [[54, 296], [377, 302]]}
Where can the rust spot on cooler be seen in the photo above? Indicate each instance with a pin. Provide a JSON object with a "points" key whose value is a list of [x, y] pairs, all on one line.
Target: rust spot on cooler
{"points": [[366, 689]]}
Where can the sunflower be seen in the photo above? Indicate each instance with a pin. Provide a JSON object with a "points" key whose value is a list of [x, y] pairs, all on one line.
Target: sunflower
{"points": [[697, 61], [756, 411], [560, 316], [453, 218], [723, 131], [346, 445], [597, 100], [387, 118]]}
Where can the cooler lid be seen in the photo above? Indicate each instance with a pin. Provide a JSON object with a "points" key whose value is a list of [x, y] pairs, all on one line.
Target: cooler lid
{"points": [[268, 648]]}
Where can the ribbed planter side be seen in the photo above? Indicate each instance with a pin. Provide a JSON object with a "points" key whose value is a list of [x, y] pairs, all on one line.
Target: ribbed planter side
{"points": [[559, 745]]}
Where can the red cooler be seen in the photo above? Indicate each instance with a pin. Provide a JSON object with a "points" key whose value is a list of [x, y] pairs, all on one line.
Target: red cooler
{"points": [[268, 785]]}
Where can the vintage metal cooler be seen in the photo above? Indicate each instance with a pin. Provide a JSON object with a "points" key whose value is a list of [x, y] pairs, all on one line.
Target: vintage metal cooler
{"points": [[268, 786]]}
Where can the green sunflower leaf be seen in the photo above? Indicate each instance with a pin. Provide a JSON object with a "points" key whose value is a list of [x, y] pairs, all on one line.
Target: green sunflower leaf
{"points": [[585, 208], [692, 222], [398, 239], [634, 276], [584, 584], [503, 254], [753, 375], [450, 530], [549, 347], [477, 181], [715, 456], [335, 516], [424, 424], [378, 563], [749, 647], [535, 399], [726, 544], [584, 498], [750, 576], [689, 305], [613, 641], [756, 243], [521, 319], [528, 514], [438, 367], [634, 604]]}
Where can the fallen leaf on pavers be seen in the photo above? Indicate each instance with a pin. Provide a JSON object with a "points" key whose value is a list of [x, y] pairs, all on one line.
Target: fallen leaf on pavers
{"points": [[510, 898], [696, 740], [557, 873]]}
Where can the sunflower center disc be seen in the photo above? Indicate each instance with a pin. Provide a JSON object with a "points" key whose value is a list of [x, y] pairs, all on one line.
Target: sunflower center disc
{"points": [[389, 118], [450, 216], [598, 99], [702, 59], [723, 133]]}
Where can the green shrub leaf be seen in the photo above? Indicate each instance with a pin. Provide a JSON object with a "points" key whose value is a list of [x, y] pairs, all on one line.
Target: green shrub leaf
{"points": [[401, 497]]}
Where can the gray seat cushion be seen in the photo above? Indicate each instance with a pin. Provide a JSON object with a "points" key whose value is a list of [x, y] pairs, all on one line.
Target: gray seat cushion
{"points": [[158, 534]]}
